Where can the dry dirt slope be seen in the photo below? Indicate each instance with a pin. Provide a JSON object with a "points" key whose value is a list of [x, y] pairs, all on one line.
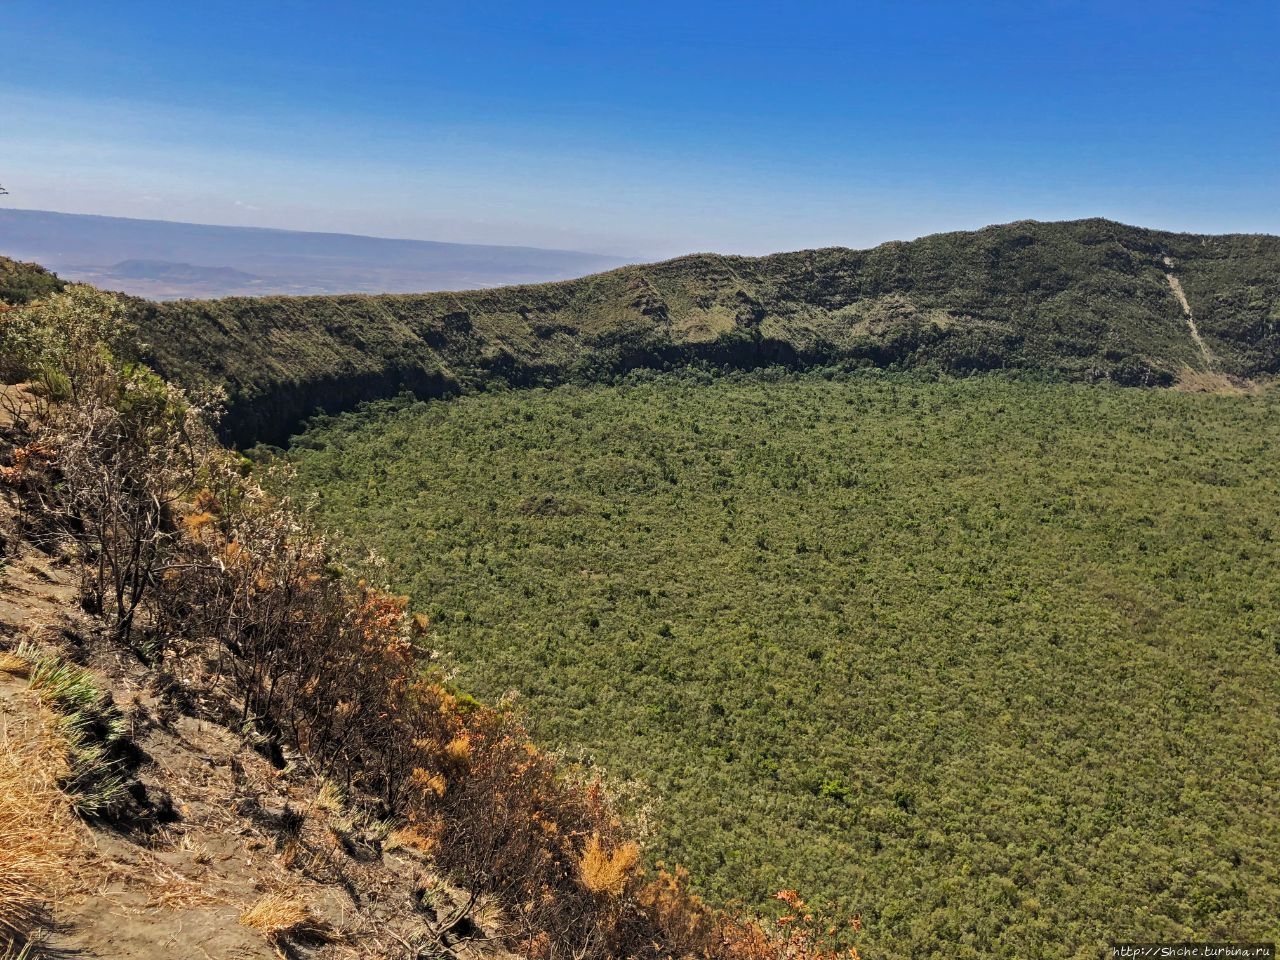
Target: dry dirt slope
{"points": [[210, 835]]}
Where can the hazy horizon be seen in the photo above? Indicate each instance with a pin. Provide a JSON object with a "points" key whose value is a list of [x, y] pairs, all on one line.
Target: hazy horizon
{"points": [[272, 229], [605, 255], [167, 259]]}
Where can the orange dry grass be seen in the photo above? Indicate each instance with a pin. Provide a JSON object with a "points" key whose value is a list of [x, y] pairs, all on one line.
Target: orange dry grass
{"points": [[277, 915], [607, 873], [36, 835], [13, 664], [415, 838]]}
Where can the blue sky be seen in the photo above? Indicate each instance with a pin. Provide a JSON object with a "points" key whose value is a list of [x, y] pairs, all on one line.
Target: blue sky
{"points": [[645, 129]]}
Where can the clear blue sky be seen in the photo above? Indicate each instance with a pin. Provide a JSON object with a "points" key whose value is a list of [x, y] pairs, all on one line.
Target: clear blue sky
{"points": [[647, 128]]}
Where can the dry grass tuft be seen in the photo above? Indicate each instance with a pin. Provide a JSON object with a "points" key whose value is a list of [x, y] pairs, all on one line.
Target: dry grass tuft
{"points": [[607, 873], [330, 798], [489, 916], [14, 665], [37, 836], [277, 915], [412, 838]]}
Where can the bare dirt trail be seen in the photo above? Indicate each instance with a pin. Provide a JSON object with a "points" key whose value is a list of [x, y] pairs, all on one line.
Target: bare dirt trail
{"points": [[1176, 286], [238, 831], [121, 896], [210, 850]]}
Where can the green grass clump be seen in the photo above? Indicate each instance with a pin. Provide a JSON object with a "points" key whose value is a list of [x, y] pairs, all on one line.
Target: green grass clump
{"points": [[91, 729], [993, 664]]}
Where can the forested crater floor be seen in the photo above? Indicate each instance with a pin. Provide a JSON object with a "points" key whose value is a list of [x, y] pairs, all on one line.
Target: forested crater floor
{"points": [[991, 663]]}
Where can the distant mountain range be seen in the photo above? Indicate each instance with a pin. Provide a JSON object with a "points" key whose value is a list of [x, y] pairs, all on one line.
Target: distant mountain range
{"points": [[164, 260]]}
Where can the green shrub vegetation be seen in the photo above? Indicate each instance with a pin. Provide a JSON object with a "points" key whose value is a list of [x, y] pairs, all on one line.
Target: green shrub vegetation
{"points": [[24, 282], [1086, 300], [992, 663]]}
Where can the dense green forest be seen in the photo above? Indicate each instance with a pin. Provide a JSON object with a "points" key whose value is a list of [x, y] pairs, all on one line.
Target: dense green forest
{"points": [[1088, 300], [992, 663]]}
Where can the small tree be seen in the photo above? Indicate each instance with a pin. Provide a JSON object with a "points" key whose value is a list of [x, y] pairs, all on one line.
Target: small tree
{"points": [[119, 434]]}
